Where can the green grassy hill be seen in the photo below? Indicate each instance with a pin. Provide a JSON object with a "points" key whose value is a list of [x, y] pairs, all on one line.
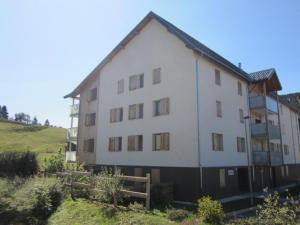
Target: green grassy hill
{"points": [[39, 139]]}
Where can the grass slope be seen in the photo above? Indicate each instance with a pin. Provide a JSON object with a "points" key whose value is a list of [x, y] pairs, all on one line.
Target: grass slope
{"points": [[83, 212], [20, 137]]}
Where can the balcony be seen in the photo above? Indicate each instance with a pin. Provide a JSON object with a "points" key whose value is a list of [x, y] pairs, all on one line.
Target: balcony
{"points": [[262, 158], [70, 156], [258, 102], [74, 110], [260, 130], [72, 133]]}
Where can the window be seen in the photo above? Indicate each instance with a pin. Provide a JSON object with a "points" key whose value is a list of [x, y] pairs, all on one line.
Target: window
{"points": [[156, 76], [155, 176], [286, 170], [136, 81], [241, 115], [90, 119], [136, 111], [222, 174], [217, 77], [161, 107], [116, 115], [282, 171], [286, 149], [88, 145], [161, 142], [240, 88], [219, 108], [120, 86], [115, 144], [241, 147], [217, 142], [135, 143], [92, 95]]}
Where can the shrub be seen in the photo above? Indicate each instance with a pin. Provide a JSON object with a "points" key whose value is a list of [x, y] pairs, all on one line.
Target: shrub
{"points": [[161, 195], [210, 211], [18, 164], [177, 214], [48, 196], [55, 163], [109, 186], [271, 212]]}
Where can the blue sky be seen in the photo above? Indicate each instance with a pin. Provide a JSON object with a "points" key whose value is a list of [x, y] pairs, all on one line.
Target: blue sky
{"points": [[48, 47]]}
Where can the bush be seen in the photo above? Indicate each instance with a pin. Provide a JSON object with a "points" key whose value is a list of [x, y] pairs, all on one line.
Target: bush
{"points": [[48, 196], [271, 212], [210, 211], [109, 186], [177, 214], [18, 164], [55, 163], [161, 195], [109, 212]]}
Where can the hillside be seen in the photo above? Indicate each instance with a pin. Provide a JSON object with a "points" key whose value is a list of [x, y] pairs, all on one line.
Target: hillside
{"points": [[39, 139]]}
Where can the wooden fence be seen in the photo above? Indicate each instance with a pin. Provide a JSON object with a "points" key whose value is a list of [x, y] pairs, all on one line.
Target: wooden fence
{"points": [[72, 183]]}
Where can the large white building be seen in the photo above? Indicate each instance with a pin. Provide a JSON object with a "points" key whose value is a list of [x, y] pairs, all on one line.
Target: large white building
{"points": [[162, 102]]}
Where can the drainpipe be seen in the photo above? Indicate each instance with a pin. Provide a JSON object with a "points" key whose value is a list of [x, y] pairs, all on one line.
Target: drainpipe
{"points": [[249, 159], [198, 120]]}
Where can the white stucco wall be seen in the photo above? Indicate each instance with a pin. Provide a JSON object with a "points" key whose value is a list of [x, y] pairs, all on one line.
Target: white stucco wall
{"points": [[229, 125], [153, 47]]}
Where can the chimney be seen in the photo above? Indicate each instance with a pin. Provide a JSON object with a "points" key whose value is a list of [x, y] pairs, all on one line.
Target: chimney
{"points": [[240, 65]]}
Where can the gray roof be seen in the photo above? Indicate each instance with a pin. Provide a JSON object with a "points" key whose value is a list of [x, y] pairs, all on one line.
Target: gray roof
{"points": [[189, 41], [262, 75]]}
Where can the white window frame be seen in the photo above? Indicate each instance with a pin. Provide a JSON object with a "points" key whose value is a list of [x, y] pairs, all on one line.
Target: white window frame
{"points": [[156, 76]]}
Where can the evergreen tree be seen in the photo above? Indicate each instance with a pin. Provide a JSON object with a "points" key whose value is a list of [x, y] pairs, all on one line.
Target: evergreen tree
{"points": [[4, 112], [0, 112], [34, 121], [47, 124]]}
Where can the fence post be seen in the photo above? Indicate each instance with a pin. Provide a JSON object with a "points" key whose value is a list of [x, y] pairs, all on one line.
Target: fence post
{"points": [[148, 191]]}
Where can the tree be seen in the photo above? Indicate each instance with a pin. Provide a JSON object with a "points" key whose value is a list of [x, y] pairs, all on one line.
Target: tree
{"points": [[4, 112], [34, 121], [0, 112], [47, 124], [22, 117]]}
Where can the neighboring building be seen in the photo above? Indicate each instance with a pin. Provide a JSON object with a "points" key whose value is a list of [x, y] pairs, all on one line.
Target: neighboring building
{"points": [[162, 102]]}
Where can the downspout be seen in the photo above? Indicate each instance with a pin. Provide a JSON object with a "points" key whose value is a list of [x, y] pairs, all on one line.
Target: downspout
{"points": [[198, 120]]}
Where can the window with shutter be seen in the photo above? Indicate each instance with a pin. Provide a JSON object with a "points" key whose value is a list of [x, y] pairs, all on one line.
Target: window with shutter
{"points": [[161, 142], [240, 89], [135, 143], [88, 145], [217, 142], [92, 95], [156, 76], [121, 86], [116, 115], [115, 144], [217, 77], [136, 111], [241, 115], [219, 108], [161, 107], [136, 81], [241, 147]]}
